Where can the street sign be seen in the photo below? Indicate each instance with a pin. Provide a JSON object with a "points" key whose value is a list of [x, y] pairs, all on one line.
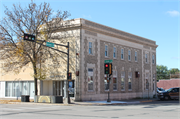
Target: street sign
{"points": [[49, 44], [107, 61]]}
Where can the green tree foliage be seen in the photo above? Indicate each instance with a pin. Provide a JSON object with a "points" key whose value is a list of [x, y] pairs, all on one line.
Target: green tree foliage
{"points": [[174, 73], [162, 72], [38, 20]]}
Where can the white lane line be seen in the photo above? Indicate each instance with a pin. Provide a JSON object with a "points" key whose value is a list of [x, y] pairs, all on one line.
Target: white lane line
{"points": [[10, 109]]}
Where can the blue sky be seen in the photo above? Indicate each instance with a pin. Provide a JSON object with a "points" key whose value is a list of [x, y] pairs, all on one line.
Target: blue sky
{"points": [[157, 20]]}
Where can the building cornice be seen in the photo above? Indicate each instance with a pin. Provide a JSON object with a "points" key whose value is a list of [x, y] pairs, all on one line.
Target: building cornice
{"points": [[98, 28]]}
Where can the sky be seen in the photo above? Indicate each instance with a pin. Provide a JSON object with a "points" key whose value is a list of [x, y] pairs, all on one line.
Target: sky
{"points": [[157, 20]]}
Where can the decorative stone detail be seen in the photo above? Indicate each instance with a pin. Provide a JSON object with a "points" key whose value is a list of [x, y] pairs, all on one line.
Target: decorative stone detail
{"points": [[146, 47], [90, 33], [118, 32]]}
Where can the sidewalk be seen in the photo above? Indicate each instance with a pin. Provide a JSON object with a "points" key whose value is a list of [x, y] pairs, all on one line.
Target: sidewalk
{"points": [[85, 103]]}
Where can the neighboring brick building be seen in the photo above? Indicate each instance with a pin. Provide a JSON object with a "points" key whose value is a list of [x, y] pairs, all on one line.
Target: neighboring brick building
{"points": [[96, 43], [166, 84]]}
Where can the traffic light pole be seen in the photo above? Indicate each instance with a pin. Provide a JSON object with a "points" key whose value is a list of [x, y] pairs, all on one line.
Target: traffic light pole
{"points": [[67, 100], [108, 77]]}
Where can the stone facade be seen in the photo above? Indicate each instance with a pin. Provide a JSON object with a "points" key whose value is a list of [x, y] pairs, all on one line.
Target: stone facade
{"points": [[100, 36]]}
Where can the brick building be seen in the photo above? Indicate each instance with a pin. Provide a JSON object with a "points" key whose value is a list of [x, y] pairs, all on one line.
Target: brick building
{"points": [[96, 43]]}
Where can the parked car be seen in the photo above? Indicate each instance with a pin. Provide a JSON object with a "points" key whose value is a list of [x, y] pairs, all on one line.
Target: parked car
{"points": [[160, 89], [172, 93]]}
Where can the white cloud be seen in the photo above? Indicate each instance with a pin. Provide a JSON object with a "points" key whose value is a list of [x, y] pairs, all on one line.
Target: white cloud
{"points": [[173, 13], [87, 16], [176, 58]]}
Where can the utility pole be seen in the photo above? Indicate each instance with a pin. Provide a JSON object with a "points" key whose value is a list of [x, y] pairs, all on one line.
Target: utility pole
{"points": [[67, 100]]}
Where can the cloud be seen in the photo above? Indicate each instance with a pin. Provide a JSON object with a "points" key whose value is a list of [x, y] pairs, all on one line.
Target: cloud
{"points": [[176, 58], [87, 16], [173, 13]]}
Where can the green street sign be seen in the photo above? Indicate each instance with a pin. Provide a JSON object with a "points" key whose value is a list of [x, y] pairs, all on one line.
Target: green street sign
{"points": [[49, 44], [107, 61]]}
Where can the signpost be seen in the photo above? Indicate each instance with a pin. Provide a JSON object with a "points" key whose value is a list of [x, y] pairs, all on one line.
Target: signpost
{"points": [[49, 44]]}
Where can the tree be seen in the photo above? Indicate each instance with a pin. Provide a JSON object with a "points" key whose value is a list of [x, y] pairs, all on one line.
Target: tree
{"points": [[174, 73], [162, 72], [38, 20]]}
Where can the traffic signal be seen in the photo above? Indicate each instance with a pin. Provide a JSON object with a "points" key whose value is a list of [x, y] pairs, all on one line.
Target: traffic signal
{"points": [[69, 76], [108, 68], [29, 37]]}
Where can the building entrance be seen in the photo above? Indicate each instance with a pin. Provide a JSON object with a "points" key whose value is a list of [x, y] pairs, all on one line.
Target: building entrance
{"points": [[58, 88]]}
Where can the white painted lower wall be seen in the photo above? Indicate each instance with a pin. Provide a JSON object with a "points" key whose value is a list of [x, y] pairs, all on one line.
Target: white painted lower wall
{"points": [[2, 89]]}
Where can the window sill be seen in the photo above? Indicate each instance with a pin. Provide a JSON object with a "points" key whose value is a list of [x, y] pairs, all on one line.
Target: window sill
{"points": [[106, 57], [90, 91], [122, 90], [130, 90], [91, 55], [115, 90]]}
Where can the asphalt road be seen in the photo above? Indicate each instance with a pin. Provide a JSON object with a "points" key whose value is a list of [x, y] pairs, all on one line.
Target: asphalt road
{"points": [[153, 110]]}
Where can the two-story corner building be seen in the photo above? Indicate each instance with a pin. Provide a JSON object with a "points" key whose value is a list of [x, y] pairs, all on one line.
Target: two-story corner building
{"points": [[94, 43]]}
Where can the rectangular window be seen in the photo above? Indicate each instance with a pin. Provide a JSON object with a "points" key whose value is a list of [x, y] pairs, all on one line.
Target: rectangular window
{"points": [[106, 50], [114, 83], [122, 84], [153, 59], [130, 81], [90, 79], [114, 52], [18, 88], [90, 48], [129, 55], [146, 58], [147, 84], [135, 56], [122, 54], [122, 80], [9, 89], [129, 84], [106, 86]]}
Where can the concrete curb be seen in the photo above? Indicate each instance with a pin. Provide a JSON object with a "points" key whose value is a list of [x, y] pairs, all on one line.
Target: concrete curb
{"points": [[147, 101], [81, 103]]}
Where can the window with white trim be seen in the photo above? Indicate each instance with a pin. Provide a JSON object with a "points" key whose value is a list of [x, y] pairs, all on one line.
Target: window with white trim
{"points": [[90, 79], [146, 58], [114, 52], [106, 50], [135, 56], [122, 53], [90, 48], [153, 61], [147, 84], [129, 55], [130, 80], [114, 80], [122, 80]]}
